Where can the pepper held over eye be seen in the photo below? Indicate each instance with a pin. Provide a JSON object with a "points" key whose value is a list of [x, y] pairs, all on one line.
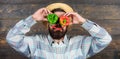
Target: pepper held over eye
{"points": [[52, 18], [64, 20]]}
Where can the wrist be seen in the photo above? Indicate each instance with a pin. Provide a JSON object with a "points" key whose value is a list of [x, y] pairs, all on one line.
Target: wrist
{"points": [[35, 18], [83, 20], [29, 21]]}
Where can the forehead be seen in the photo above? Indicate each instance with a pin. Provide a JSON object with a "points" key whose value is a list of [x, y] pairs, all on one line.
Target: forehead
{"points": [[59, 13], [57, 9]]}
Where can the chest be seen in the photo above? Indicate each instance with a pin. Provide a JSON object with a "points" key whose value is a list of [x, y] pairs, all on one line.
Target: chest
{"points": [[58, 52]]}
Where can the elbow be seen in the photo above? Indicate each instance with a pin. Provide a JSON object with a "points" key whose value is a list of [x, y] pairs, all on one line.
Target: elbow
{"points": [[8, 37], [107, 38]]}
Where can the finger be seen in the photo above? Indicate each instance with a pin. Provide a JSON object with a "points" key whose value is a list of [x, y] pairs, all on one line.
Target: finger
{"points": [[49, 12], [68, 14], [65, 14], [45, 10], [44, 15], [44, 19], [42, 11]]}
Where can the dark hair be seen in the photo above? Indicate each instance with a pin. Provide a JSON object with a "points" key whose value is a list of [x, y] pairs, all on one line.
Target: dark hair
{"points": [[57, 9]]}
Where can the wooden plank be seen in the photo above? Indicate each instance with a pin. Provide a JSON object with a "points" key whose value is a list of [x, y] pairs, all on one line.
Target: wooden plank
{"points": [[112, 26], [96, 2], [87, 11], [7, 52], [17, 11], [99, 11]]}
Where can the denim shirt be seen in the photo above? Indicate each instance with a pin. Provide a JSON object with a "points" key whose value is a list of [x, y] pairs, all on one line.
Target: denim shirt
{"points": [[42, 46]]}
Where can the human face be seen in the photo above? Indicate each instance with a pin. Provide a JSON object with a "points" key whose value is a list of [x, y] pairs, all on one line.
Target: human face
{"points": [[56, 30]]}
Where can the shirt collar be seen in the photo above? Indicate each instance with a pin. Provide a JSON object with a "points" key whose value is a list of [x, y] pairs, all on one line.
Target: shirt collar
{"points": [[65, 41]]}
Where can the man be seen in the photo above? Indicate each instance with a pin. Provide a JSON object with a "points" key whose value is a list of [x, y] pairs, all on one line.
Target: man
{"points": [[57, 45]]}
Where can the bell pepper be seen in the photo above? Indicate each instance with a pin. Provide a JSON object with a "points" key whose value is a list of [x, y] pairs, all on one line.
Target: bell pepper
{"points": [[64, 20], [52, 18]]}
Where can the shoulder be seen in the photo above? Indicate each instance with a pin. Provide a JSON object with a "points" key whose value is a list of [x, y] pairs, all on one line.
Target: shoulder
{"points": [[80, 39]]}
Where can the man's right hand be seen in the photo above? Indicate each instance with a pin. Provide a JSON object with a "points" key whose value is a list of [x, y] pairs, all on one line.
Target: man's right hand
{"points": [[40, 15]]}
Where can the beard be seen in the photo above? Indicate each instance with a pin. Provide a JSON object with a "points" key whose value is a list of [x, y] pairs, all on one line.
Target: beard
{"points": [[57, 34]]}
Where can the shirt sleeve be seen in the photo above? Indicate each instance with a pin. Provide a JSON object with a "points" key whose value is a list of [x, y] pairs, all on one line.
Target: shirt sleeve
{"points": [[16, 36], [99, 38]]}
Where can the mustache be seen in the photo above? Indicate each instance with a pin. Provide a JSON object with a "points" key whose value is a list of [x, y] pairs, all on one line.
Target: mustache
{"points": [[57, 27], [57, 34]]}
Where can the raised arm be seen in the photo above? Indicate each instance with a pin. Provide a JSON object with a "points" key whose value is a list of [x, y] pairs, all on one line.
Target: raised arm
{"points": [[16, 36], [98, 39]]}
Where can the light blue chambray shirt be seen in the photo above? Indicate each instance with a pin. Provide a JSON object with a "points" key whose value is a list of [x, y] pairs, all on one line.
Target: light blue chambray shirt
{"points": [[41, 46]]}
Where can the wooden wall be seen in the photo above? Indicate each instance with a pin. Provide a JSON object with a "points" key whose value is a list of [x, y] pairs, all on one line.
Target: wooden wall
{"points": [[106, 13]]}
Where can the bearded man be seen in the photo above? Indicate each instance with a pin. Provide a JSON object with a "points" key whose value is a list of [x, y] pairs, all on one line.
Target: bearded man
{"points": [[58, 45]]}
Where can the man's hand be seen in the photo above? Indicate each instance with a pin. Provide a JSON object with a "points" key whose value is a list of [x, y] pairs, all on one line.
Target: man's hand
{"points": [[40, 15], [76, 18]]}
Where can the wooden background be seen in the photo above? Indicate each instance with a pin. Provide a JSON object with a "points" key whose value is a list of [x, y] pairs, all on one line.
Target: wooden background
{"points": [[106, 13]]}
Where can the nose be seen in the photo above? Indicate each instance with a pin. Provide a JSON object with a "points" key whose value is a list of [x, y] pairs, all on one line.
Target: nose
{"points": [[58, 25]]}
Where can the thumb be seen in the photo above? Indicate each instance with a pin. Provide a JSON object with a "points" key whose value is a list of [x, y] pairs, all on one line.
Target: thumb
{"points": [[45, 19]]}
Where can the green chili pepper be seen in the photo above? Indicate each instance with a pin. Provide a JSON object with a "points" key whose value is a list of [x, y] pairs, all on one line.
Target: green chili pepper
{"points": [[52, 18]]}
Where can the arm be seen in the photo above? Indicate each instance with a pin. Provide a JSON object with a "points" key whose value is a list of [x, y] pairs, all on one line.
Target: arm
{"points": [[16, 36], [99, 38]]}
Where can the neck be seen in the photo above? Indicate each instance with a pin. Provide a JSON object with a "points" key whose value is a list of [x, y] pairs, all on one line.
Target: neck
{"points": [[58, 40]]}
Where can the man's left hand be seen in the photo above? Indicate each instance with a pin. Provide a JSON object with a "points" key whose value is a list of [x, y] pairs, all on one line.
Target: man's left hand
{"points": [[76, 18]]}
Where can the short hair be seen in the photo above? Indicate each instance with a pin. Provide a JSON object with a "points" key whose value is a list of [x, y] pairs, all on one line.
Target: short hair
{"points": [[57, 9]]}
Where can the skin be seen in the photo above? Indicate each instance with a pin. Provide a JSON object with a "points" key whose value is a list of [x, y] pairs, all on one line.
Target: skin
{"points": [[40, 15]]}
